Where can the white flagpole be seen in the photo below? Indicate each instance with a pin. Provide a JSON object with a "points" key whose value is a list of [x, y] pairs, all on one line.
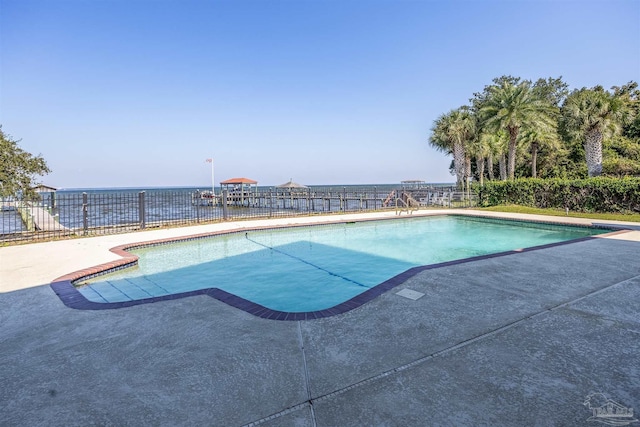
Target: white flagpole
{"points": [[213, 183]]}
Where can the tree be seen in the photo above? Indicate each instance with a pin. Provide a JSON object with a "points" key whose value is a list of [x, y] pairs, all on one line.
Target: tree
{"points": [[513, 107], [630, 94], [536, 138], [451, 133], [495, 145], [18, 168], [483, 148], [590, 115], [544, 129], [554, 91]]}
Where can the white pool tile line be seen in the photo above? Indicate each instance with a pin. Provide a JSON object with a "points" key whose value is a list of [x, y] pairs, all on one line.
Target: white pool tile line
{"points": [[408, 293]]}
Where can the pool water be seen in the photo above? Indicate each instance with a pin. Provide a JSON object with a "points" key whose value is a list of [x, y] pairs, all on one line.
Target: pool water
{"points": [[316, 267]]}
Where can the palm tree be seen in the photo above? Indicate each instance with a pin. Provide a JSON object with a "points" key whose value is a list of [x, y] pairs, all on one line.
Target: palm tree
{"points": [[451, 133], [590, 115], [536, 138], [480, 148], [512, 107], [494, 145]]}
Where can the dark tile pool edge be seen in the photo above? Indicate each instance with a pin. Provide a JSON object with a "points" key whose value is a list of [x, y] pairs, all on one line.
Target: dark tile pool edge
{"points": [[559, 222], [72, 298]]}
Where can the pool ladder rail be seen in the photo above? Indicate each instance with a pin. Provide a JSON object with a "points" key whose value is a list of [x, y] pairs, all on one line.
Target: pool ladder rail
{"points": [[406, 203]]}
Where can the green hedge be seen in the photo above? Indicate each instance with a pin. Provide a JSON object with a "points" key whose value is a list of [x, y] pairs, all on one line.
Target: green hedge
{"points": [[582, 195]]}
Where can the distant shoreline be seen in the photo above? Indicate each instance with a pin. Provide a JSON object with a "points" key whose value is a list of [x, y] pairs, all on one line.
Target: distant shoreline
{"points": [[208, 187]]}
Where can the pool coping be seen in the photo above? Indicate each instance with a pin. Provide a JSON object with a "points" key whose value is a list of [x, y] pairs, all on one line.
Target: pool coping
{"points": [[64, 287]]}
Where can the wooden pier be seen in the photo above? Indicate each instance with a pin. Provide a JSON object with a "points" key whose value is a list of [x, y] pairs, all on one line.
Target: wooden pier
{"points": [[36, 218]]}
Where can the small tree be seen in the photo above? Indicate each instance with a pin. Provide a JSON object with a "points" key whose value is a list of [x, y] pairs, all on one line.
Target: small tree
{"points": [[18, 168]]}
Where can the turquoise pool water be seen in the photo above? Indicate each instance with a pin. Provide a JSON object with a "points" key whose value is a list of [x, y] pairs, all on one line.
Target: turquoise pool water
{"points": [[316, 267]]}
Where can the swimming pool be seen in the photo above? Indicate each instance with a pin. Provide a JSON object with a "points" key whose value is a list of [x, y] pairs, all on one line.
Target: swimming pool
{"points": [[315, 268]]}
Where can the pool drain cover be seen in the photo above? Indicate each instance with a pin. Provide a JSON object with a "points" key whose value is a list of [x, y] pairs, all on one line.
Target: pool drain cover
{"points": [[408, 293]]}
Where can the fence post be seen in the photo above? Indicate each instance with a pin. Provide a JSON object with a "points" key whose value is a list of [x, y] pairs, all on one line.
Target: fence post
{"points": [[197, 200], [141, 209], [375, 198], [225, 194], [85, 213]]}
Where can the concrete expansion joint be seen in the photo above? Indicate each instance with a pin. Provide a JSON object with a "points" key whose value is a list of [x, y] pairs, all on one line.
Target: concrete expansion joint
{"points": [[622, 324], [278, 415], [594, 293], [439, 353], [306, 404], [306, 375]]}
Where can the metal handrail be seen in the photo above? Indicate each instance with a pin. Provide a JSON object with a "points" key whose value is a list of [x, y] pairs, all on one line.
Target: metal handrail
{"points": [[407, 206]]}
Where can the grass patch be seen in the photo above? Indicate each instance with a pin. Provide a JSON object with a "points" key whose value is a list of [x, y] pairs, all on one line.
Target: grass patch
{"points": [[631, 217]]}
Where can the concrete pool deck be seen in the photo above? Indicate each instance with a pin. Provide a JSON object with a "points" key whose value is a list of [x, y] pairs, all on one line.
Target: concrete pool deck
{"points": [[516, 340]]}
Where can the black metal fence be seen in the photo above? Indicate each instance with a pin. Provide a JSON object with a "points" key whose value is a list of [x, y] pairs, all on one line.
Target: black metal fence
{"points": [[69, 213]]}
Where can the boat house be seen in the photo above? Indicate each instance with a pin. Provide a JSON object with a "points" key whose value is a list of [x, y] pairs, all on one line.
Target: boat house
{"points": [[240, 191]]}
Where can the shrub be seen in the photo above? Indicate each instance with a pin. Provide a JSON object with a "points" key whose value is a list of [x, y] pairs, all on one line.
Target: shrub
{"points": [[598, 194]]}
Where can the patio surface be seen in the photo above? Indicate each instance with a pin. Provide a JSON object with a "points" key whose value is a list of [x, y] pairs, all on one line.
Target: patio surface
{"points": [[516, 340]]}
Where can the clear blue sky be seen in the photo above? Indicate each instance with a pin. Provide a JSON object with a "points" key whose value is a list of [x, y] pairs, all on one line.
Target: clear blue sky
{"points": [[128, 93]]}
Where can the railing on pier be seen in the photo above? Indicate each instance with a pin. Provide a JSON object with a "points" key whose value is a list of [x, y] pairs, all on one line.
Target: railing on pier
{"points": [[65, 214]]}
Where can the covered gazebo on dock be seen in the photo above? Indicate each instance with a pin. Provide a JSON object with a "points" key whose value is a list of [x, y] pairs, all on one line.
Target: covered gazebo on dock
{"points": [[239, 190]]}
